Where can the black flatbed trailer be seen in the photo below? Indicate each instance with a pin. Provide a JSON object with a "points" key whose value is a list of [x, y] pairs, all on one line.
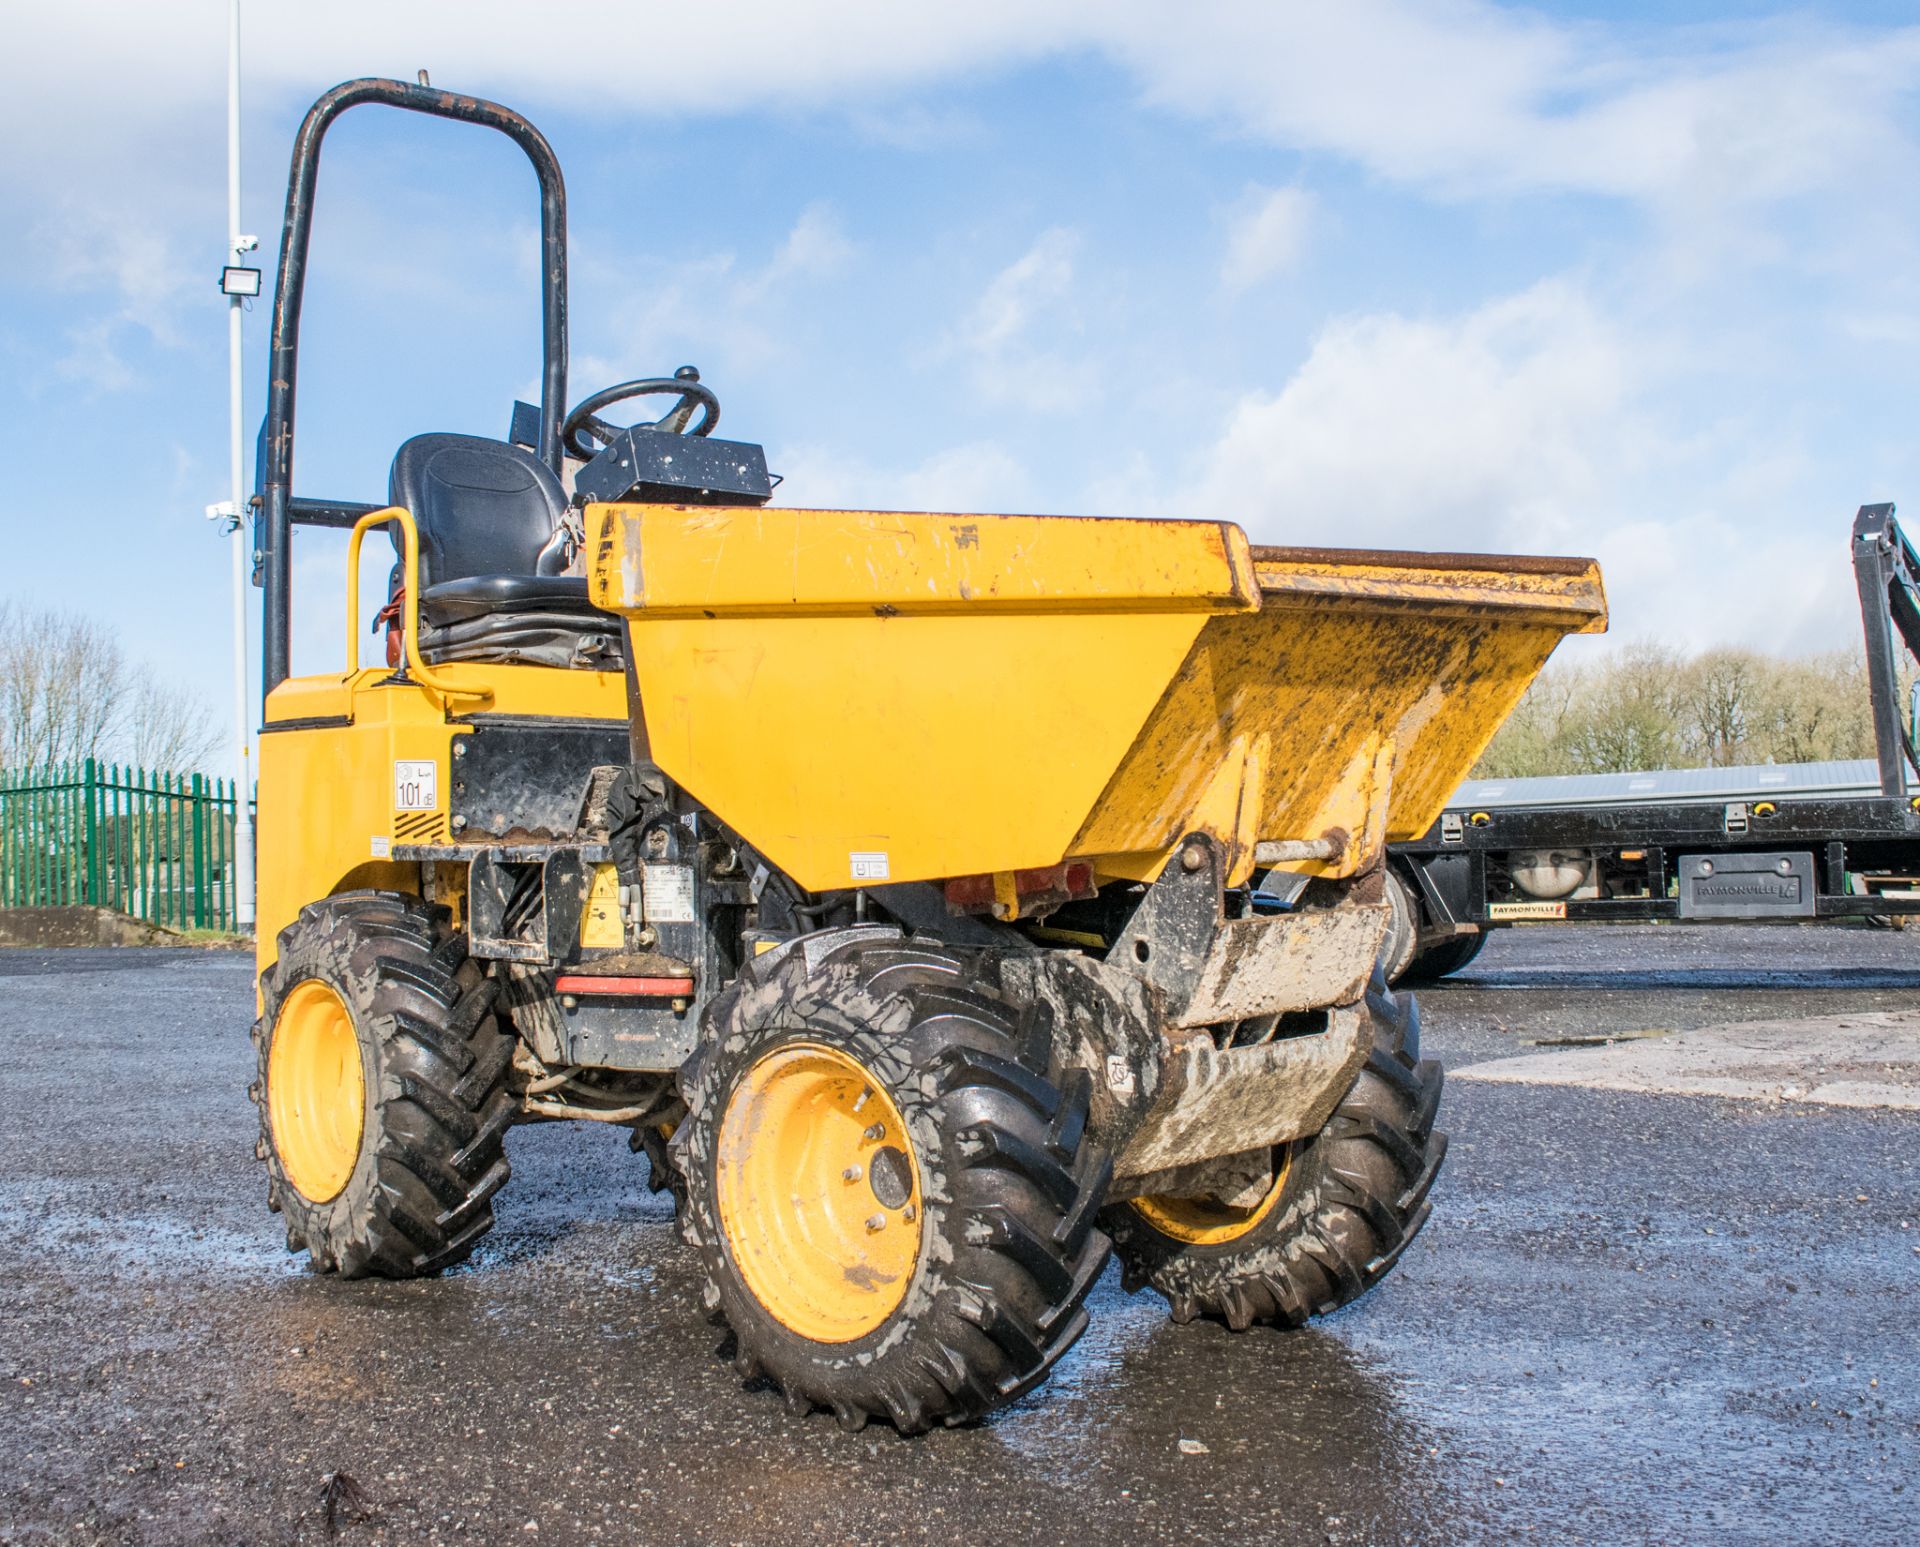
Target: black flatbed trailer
{"points": [[1742, 856]]}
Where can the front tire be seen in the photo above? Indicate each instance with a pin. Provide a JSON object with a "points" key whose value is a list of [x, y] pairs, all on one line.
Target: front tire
{"points": [[891, 1190], [1344, 1205], [382, 1088]]}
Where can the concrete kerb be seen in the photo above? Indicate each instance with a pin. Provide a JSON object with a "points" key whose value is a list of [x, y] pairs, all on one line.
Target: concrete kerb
{"points": [[65, 927]]}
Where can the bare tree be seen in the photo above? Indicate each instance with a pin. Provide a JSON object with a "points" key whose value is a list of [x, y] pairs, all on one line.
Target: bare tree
{"points": [[165, 726], [1535, 739], [1719, 692], [1631, 716], [1648, 707], [1817, 709], [62, 685], [67, 693]]}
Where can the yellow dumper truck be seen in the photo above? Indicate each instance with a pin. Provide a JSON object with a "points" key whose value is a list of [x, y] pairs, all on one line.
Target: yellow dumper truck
{"points": [[944, 901]]}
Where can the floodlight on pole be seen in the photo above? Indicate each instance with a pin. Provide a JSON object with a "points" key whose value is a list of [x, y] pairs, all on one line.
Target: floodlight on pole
{"points": [[237, 283]]}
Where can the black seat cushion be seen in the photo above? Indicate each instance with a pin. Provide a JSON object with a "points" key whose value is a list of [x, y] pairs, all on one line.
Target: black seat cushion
{"points": [[479, 596], [485, 510], [483, 507], [534, 620]]}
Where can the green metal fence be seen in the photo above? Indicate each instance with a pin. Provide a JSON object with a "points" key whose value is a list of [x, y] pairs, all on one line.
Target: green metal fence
{"points": [[158, 846]]}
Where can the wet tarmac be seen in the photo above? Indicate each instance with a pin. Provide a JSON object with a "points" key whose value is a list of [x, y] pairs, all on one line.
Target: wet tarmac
{"points": [[1633, 1318]]}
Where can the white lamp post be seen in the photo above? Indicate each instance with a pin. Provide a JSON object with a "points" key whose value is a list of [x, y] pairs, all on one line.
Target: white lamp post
{"points": [[237, 283]]}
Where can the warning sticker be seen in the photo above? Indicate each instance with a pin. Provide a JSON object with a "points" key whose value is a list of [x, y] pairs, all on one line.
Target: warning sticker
{"points": [[601, 928], [1526, 910], [667, 893], [868, 864], [415, 784], [382, 847]]}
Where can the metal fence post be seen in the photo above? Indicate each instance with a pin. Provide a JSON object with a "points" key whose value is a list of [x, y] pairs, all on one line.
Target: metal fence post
{"points": [[90, 829], [199, 852]]}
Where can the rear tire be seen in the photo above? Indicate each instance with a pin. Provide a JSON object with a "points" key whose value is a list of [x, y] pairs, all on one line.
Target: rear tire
{"points": [[405, 1186], [1444, 957], [993, 1168], [1344, 1207]]}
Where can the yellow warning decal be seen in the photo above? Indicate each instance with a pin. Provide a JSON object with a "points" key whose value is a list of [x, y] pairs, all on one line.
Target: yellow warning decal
{"points": [[600, 920]]}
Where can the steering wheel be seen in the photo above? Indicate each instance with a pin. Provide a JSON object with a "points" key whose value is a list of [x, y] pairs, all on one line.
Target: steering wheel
{"points": [[584, 426]]}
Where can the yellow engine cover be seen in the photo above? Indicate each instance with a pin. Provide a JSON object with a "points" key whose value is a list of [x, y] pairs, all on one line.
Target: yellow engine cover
{"points": [[356, 765]]}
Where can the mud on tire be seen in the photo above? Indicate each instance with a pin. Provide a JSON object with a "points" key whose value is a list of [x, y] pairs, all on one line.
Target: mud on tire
{"points": [[1010, 1183], [663, 1176], [434, 1062], [1354, 1195]]}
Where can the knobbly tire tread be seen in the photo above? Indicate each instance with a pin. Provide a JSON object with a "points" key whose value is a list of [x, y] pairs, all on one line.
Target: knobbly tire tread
{"points": [[432, 1155], [1356, 1195], [1010, 1182], [662, 1174]]}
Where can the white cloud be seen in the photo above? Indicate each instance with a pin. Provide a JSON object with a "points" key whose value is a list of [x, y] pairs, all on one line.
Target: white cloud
{"points": [[815, 248], [1036, 281], [1013, 332], [92, 360], [85, 251], [978, 476], [1397, 430], [1459, 95], [1883, 327], [1463, 97], [84, 248], [717, 304], [1533, 424], [1457, 98], [1265, 236]]}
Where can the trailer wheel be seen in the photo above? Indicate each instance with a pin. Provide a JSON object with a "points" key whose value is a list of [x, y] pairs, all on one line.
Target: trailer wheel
{"points": [[382, 1088], [1403, 927], [1343, 1206], [1444, 957], [891, 1191]]}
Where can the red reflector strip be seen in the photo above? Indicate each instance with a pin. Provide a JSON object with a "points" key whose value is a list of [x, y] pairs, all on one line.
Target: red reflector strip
{"points": [[631, 988]]}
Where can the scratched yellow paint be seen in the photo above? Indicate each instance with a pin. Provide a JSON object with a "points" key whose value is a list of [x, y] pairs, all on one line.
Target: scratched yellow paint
{"points": [[873, 694], [1326, 686], [668, 561]]}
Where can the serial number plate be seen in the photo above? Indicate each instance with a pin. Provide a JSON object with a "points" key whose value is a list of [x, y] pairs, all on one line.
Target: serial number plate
{"points": [[667, 893]]}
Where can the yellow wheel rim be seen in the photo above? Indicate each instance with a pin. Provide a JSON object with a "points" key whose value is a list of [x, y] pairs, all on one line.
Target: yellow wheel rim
{"points": [[819, 1192], [1207, 1221], [316, 1094]]}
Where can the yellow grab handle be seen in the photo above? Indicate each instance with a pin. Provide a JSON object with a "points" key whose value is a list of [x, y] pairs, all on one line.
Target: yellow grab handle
{"points": [[410, 630]]}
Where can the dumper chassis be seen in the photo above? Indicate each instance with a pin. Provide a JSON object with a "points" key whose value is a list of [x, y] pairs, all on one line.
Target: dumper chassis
{"points": [[927, 967]]}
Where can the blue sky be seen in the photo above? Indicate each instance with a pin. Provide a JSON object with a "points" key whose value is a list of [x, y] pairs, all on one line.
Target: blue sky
{"points": [[1637, 281]]}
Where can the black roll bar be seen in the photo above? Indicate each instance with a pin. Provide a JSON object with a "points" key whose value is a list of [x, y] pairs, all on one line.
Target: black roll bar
{"points": [[276, 476], [1888, 575]]}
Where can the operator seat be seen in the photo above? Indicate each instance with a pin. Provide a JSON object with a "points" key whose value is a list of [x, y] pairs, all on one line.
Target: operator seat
{"points": [[485, 510]]}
